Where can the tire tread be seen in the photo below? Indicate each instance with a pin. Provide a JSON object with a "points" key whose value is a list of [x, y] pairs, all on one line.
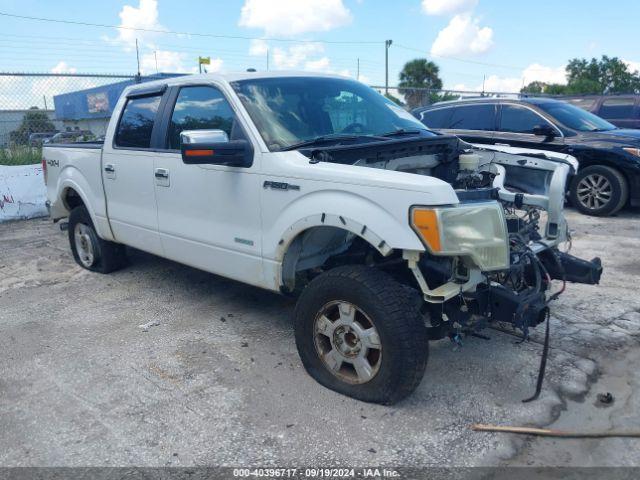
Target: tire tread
{"points": [[408, 328]]}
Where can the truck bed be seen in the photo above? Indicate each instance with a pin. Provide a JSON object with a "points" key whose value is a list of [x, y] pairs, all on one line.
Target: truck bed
{"points": [[75, 166]]}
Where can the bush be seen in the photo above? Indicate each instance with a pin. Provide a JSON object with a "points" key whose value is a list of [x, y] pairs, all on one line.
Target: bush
{"points": [[20, 155]]}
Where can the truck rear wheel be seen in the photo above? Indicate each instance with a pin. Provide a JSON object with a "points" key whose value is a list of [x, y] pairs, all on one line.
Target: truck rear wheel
{"points": [[358, 333], [89, 250]]}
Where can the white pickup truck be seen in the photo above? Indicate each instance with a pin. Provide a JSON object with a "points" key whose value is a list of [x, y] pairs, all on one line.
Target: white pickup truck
{"points": [[317, 186]]}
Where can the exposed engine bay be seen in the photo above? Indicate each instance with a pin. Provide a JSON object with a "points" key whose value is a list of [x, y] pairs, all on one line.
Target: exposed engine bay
{"points": [[530, 187]]}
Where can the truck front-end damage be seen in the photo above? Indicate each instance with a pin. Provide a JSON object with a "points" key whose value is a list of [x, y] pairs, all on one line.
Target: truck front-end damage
{"points": [[493, 256]]}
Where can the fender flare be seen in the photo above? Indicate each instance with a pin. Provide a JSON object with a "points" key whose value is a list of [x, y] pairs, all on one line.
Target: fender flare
{"points": [[66, 182], [331, 220]]}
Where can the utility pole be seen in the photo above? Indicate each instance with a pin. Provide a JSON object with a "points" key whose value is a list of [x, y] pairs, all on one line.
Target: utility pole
{"points": [[138, 60], [267, 59], [387, 44], [484, 77], [155, 54], [358, 71]]}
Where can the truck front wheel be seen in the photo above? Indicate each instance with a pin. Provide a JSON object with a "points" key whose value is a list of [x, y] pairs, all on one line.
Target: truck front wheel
{"points": [[89, 250], [359, 333]]}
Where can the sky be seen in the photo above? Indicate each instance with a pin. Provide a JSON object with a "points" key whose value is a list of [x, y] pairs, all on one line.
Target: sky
{"points": [[501, 44]]}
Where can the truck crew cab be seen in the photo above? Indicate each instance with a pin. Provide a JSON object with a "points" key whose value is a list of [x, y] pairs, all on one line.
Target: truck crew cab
{"points": [[317, 186]]}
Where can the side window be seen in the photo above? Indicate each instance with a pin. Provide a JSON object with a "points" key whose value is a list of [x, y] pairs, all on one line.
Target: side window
{"points": [[519, 119], [199, 108], [617, 108], [474, 117], [584, 103], [437, 118], [136, 122]]}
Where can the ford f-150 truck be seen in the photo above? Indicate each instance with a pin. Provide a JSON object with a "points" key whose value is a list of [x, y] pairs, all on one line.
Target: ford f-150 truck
{"points": [[319, 187]]}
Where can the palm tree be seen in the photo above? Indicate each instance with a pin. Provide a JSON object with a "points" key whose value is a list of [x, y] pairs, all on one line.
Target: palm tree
{"points": [[419, 73]]}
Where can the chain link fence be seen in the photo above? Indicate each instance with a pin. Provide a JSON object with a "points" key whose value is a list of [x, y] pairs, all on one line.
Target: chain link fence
{"points": [[65, 108]]}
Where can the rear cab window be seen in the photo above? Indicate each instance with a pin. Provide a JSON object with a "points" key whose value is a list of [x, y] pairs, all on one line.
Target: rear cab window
{"points": [[136, 122]]}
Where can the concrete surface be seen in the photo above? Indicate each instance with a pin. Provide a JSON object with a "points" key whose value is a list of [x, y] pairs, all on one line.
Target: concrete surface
{"points": [[218, 381]]}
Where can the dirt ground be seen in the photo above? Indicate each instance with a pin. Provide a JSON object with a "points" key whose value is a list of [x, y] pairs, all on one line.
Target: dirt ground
{"points": [[217, 380]]}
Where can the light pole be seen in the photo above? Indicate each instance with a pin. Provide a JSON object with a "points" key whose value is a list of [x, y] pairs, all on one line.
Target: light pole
{"points": [[387, 44]]}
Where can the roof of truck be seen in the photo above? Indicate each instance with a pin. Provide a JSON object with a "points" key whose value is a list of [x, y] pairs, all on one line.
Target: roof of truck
{"points": [[229, 77]]}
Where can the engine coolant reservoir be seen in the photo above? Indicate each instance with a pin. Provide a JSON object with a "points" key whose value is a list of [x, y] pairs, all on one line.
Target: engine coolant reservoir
{"points": [[469, 161]]}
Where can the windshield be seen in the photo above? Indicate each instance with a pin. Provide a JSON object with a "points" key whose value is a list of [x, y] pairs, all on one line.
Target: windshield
{"points": [[576, 118], [291, 110]]}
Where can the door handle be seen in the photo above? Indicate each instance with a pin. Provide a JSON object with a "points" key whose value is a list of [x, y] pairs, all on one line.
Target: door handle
{"points": [[161, 173], [109, 168], [502, 144]]}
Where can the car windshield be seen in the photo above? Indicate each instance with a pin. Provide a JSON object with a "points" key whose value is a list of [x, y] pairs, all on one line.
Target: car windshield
{"points": [[290, 110], [576, 118]]}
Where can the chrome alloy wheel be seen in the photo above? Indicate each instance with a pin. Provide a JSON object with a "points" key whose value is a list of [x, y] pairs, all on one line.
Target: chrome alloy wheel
{"points": [[84, 245], [347, 342], [594, 191]]}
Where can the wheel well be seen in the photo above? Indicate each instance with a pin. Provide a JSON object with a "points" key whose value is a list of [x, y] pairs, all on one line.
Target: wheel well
{"points": [[321, 248], [71, 199], [605, 163]]}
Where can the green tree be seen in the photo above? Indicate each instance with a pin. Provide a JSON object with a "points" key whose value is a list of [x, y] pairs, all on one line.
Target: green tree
{"points": [[607, 75], [419, 74], [534, 87], [34, 121], [542, 87], [556, 89]]}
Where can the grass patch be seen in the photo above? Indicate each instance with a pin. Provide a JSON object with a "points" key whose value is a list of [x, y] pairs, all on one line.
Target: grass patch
{"points": [[20, 155]]}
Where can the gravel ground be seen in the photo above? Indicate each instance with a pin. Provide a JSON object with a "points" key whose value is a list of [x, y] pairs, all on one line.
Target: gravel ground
{"points": [[215, 379]]}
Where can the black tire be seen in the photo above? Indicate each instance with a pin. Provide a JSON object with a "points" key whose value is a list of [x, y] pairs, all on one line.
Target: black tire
{"points": [[106, 256], [401, 330], [617, 197]]}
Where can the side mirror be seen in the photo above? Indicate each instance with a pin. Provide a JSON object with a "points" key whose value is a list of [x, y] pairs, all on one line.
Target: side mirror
{"points": [[213, 147], [544, 131]]}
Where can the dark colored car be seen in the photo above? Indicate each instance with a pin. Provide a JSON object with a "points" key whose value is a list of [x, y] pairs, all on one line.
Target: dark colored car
{"points": [[37, 139], [609, 173], [72, 136], [621, 110]]}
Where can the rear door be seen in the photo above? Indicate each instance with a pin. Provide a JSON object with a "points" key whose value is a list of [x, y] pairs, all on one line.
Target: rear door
{"points": [[436, 118], [515, 128], [128, 174], [474, 123], [621, 111]]}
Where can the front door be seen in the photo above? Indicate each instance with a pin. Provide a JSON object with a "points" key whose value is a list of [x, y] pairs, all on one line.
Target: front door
{"points": [[516, 125], [208, 215], [128, 177]]}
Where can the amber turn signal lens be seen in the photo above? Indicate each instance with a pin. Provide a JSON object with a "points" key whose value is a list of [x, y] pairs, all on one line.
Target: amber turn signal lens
{"points": [[426, 222], [198, 153]]}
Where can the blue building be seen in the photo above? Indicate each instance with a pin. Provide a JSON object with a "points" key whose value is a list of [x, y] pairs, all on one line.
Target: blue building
{"points": [[91, 109]]}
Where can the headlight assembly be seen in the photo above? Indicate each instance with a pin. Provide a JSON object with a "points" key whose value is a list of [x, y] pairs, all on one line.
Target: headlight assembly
{"points": [[478, 231]]}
